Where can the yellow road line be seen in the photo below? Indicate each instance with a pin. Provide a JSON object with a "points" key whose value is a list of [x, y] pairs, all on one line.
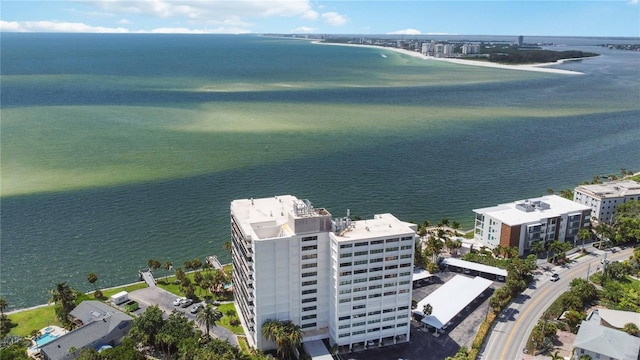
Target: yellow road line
{"points": [[515, 325]]}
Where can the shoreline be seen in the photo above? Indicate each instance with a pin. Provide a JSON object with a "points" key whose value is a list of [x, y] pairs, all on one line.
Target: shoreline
{"points": [[528, 67]]}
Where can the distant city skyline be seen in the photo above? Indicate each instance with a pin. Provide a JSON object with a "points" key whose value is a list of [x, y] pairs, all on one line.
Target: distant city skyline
{"points": [[608, 18]]}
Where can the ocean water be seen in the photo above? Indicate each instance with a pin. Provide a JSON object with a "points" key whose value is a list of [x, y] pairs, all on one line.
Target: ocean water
{"points": [[121, 148]]}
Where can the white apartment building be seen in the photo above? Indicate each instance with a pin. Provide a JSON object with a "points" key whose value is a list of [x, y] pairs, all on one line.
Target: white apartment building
{"points": [[604, 198], [342, 280], [521, 223]]}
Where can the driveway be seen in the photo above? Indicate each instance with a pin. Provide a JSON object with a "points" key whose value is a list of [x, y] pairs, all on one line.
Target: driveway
{"points": [[164, 300]]}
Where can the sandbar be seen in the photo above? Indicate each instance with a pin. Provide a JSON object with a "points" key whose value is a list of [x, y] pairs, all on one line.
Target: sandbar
{"points": [[528, 67]]}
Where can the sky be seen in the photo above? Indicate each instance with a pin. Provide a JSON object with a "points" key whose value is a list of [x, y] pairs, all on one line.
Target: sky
{"points": [[415, 17]]}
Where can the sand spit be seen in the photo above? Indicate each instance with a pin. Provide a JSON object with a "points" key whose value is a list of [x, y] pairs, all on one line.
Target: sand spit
{"points": [[528, 67]]}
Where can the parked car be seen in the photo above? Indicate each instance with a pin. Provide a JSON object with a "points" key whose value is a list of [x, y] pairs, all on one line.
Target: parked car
{"points": [[186, 302], [555, 277], [195, 308], [178, 301]]}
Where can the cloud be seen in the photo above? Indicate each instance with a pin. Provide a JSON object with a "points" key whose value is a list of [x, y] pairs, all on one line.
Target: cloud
{"points": [[633, 2], [124, 22], [405, 32], [56, 26], [334, 19], [303, 30]]}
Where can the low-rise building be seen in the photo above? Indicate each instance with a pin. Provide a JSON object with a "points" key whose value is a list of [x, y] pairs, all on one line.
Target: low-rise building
{"points": [[604, 198], [98, 325], [601, 342], [521, 223]]}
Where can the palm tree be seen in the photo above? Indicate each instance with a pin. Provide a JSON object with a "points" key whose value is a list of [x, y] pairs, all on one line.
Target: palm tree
{"points": [[64, 297], [537, 247], [427, 310], [168, 265], [285, 334], [208, 316], [153, 264], [3, 306], [584, 234], [92, 278], [631, 329], [227, 246]]}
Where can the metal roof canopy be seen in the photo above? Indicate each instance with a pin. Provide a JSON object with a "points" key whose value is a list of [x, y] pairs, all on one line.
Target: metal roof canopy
{"points": [[317, 350], [451, 298], [475, 266], [420, 274]]}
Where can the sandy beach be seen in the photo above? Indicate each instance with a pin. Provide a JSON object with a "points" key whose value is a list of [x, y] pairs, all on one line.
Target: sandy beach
{"points": [[528, 67]]}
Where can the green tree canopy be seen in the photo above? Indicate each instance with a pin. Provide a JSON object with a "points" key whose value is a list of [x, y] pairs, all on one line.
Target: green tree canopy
{"points": [[627, 222]]}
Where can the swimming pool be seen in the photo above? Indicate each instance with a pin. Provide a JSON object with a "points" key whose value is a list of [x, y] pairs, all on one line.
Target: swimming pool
{"points": [[45, 339]]}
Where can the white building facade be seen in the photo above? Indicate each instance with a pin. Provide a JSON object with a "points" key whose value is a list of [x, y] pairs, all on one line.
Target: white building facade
{"points": [[604, 198], [349, 282], [519, 224]]}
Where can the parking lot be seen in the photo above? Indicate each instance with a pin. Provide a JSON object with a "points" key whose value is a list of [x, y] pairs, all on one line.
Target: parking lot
{"points": [[423, 344]]}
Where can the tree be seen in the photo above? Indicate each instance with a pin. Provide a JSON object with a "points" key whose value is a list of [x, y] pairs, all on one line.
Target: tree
{"points": [[153, 264], [208, 316], [3, 306], [584, 234], [584, 290], [92, 278], [537, 247], [64, 297], [427, 310], [174, 330], [631, 329], [168, 265], [285, 334], [227, 246], [145, 327], [627, 221]]}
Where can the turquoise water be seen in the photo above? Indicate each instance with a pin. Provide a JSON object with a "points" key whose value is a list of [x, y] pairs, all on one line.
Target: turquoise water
{"points": [[121, 148], [45, 339]]}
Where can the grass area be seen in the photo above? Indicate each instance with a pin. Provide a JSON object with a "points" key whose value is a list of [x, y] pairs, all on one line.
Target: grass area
{"points": [[244, 345], [127, 288], [35, 319], [226, 319]]}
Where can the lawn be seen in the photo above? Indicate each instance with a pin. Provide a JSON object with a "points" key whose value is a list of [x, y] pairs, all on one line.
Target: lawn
{"points": [[226, 319], [34, 319]]}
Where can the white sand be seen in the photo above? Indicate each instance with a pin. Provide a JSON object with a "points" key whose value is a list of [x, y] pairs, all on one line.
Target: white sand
{"points": [[529, 67]]}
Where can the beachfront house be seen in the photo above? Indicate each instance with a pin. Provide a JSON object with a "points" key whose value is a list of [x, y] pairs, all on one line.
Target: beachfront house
{"points": [[99, 325]]}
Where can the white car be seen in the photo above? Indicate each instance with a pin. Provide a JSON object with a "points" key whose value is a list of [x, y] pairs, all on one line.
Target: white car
{"points": [[555, 277], [178, 301]]}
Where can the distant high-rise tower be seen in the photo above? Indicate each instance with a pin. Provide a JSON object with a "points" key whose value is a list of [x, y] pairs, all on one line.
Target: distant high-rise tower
{"points": [[520, 40]]}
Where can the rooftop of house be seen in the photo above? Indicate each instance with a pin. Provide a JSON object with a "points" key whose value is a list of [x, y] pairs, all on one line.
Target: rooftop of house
{"points": [[605, 341], [611, 189]]}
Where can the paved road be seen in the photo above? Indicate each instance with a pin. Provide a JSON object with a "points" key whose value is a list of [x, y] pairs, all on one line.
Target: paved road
{"points": [[511, 330]]}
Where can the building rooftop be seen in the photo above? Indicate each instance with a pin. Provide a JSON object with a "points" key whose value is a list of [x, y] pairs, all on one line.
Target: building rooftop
{"points": [[531, 210], [380, 225], [611, 189], [605, 341]]}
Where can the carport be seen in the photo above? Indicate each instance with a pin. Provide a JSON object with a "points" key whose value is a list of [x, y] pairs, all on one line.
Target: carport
{"points": [[451, 298], [317, 350], [480, 268], [420, 274]]}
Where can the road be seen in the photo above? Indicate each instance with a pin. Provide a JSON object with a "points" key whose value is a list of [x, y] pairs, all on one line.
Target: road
{"points": [[512, 328]]}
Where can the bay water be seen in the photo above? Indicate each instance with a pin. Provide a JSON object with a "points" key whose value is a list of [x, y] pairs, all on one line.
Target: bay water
{"points": [[121, 148]]}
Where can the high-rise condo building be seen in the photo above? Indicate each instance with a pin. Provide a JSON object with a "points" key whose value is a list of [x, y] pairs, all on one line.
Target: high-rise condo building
{"points": [[342, 280]]}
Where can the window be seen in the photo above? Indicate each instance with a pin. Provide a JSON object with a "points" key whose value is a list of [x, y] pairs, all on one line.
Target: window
{"points": [[309, 238], [390, 258], [373, 329], [373, 287], [389, 293], [308, 300], [377, 260], [307, 317], [345, 273], [363, 288], [391, 249], [345, 326], [360, 323], [309, 308], [345, 246], [358, 298], [376, 251], [344, 264], [307, 283], [310, 291], [373, 296], [345, 255], [360, 253], [389, 267], [360, 262], [345, 282], [345, 291], [373, 321], [376, 269], [308, 274], [374, 278], [306, 326], [357, 307], [363, 271], [344, 317], [360, 280], [311, 265], [362, 244], [392, 240], [377, 312], [309, 247], [309, 256], [376, 242], [345, 300]]}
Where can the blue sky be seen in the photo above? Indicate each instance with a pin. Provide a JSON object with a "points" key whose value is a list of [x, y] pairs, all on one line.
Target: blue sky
{"points": [[473, 17]]}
